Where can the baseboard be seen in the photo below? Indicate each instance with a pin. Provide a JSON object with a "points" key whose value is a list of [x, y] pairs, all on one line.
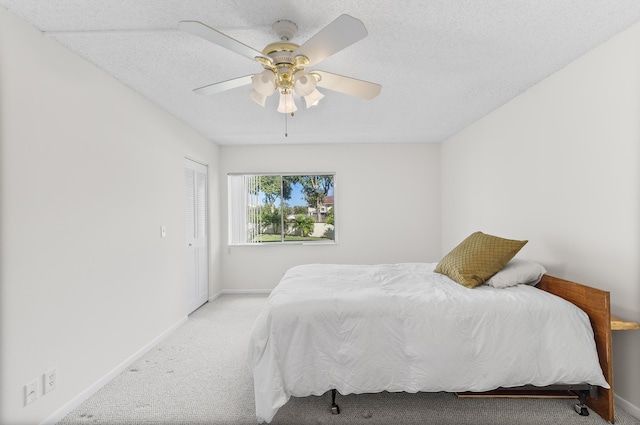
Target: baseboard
{"points": [[246, 291], [215, 296], [627, 406], [239, 292], [84, 395]]}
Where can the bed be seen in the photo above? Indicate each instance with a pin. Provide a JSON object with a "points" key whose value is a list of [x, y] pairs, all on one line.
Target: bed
{"points": [[357, 329]]}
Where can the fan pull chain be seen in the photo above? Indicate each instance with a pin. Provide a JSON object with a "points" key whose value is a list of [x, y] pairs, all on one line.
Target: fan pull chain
{"points": [[286, 132], [286, 129]]}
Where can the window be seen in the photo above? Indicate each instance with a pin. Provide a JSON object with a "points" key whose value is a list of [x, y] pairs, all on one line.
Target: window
{"points": [[281, 208]]}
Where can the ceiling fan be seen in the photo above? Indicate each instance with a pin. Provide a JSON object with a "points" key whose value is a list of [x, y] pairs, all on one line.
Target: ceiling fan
{"points": [[285, 63]]}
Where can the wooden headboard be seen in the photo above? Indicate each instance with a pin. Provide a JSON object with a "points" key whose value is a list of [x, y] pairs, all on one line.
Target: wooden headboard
{"points": [[596, 304]]}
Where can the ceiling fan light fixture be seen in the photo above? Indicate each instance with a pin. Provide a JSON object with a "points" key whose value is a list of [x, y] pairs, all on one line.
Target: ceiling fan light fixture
{"points": [[304, 83], [284, 63], [264, 83], [287, 105], [257, 97], [313, 98]]}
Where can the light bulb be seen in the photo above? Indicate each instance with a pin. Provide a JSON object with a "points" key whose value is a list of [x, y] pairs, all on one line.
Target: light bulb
{"points": [[313, 98], [264, 83], [257, 97], [287, 104], [304, 83]]}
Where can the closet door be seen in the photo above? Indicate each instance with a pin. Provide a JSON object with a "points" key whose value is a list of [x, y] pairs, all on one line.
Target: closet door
{"points": [[197, 229]]}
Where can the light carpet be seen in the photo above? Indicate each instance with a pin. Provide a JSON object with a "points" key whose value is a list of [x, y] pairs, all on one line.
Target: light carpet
{"points": [[199, 375]]}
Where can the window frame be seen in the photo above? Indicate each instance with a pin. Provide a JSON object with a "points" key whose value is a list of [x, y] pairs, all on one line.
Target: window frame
{"points": [[230, 214]]}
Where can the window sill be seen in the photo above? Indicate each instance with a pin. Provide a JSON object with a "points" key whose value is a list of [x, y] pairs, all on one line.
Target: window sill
{"points": [[284, 244]]}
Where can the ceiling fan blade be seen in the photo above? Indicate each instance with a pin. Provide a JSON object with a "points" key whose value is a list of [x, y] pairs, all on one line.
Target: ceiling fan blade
{"points": [[341, 33], [224, 85], [203, 31], [347, 85]]}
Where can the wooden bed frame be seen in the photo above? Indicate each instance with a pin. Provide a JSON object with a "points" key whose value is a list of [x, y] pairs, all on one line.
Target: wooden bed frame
{"points": [[596, 304]]}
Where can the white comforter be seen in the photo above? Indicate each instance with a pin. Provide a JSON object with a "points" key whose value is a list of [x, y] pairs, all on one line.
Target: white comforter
{"points": [[401, 327]]}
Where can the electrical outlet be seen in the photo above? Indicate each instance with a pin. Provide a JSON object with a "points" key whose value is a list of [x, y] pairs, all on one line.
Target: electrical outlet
{"points": [[31, 392], [50, 379]]}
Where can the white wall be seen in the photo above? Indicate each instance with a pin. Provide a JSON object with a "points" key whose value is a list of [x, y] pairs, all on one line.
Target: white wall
{"points": [[89, 172], [394, 189], [560, 166]]}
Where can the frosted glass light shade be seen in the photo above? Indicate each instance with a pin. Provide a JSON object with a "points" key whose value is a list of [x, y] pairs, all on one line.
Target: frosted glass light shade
{"points": [[264, 83], [313, 98], [257, 97], [304, 84], [287, 104]]}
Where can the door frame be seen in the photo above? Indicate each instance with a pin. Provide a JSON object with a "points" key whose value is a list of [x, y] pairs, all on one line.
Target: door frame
{"points": [[191, 307]]}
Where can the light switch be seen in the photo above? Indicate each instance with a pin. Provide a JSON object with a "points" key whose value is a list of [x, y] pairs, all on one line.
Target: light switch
{"points": [[163, 231]]}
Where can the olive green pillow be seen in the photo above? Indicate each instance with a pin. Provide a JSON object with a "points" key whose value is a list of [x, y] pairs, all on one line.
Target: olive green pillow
{"points": [[477, 258]]}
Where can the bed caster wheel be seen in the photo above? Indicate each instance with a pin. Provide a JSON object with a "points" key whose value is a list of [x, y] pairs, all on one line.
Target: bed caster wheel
{"points": [[581, 409], [335, 410]]}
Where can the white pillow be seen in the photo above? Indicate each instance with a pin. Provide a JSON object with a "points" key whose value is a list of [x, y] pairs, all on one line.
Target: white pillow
{"points": [[516, 272]]}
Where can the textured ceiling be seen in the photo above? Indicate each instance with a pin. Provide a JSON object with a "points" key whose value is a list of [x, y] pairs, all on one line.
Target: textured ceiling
{"points": [[442, 64]]}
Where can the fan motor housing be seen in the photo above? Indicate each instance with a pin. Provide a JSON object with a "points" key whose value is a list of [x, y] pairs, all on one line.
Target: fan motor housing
{"points": [[280, 52]]}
